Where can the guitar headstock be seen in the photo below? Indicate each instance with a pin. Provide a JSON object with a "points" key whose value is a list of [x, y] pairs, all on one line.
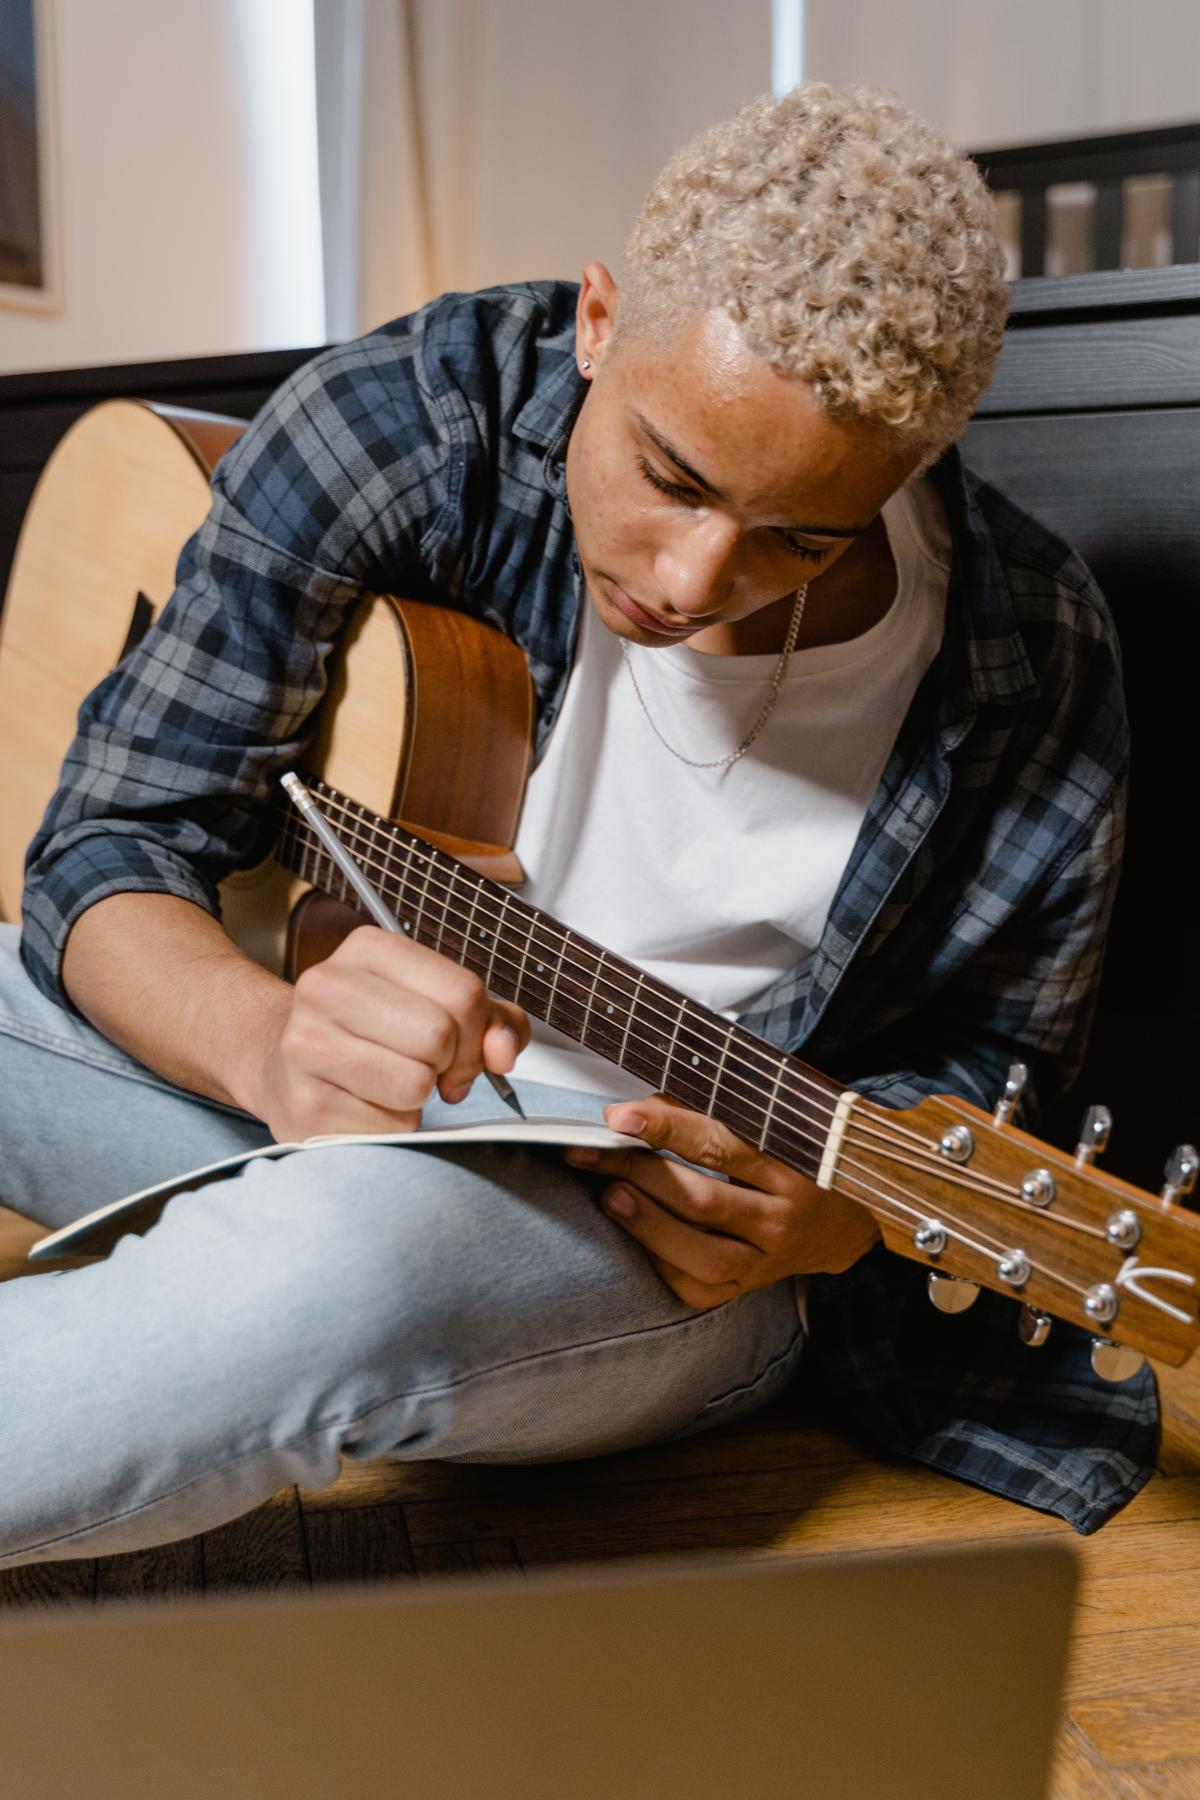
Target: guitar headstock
{"points": [[983, 1204]]}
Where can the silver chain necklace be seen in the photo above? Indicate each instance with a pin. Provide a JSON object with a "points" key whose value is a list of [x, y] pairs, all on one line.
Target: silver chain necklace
{"points": [[723, 762]]}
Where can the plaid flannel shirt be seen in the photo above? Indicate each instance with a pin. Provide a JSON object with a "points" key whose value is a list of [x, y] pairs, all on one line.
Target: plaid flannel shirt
{"points": [[967, 931]]}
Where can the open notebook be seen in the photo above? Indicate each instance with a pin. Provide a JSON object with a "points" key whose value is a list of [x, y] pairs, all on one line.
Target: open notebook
{"points": [[98, 1231]]}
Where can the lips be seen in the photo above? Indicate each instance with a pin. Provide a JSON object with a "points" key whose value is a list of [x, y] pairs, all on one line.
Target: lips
{"points": [[647, 620]]}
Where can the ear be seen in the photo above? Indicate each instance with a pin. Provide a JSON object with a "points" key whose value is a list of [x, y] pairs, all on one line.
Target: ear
{"points": [[595, 315]]}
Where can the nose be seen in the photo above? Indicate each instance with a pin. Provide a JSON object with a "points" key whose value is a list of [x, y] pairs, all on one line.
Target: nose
{"points": [[694, 568]]}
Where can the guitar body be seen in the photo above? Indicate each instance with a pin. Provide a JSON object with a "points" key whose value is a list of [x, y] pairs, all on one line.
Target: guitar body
{"points": [[428, 716]]}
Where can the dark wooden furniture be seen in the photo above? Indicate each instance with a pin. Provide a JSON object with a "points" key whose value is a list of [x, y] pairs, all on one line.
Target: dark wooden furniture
{"points": [[1093, 422], [1106, 164]]}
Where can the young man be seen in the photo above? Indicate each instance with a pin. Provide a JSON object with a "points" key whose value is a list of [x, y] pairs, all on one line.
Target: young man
{"points": [[832, 744]]}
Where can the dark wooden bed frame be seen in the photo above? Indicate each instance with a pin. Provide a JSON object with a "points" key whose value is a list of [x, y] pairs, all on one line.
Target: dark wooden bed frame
{"points": [[1093, 423]]}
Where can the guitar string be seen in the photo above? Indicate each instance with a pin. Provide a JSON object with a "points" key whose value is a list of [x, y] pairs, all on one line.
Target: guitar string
{"points": [[992, 1251], [987, 1186], [857, 1133], [559, 938], [407, 884], [818, 1099], [959, 1236]]}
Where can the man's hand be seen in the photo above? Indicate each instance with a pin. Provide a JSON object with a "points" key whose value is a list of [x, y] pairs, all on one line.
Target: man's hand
{"points": [[712, 1240], [372, 1030]]}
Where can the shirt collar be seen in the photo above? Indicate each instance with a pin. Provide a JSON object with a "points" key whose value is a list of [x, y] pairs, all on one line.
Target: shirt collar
{"points": [[551, 410]]}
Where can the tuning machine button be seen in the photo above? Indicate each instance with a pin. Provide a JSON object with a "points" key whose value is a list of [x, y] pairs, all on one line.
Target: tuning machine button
{"points": [[957, 1144], [1038, 1188], [1033, 1326], [1015, 1268], [1113, 1362], [1180, 1173], [950, 1294], [1124, 1229], [1101, 1303], [1014, 1087], [1093, 1138]]}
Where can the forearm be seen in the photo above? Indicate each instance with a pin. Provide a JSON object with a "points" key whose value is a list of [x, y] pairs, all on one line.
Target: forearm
{"points": [[160, 977]]}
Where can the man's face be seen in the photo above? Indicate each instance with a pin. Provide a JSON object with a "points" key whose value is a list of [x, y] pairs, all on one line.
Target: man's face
{"points": [[706, 487]]}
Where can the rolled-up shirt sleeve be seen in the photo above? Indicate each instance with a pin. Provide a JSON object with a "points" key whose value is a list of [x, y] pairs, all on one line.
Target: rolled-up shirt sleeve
{"points": [[168, 783]]}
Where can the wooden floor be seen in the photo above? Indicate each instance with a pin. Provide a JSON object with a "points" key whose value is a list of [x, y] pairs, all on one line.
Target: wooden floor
{"points": [[778, 1485]]}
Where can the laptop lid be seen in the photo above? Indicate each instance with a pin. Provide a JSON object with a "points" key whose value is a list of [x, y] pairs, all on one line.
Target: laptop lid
{"points": [[839, 1677]]}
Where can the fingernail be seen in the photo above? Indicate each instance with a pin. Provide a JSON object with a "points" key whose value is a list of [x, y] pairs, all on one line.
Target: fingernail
{"points": [[621, 1202], [632, 1124], [582, 1155], [458, 1093], [513, 1039]]}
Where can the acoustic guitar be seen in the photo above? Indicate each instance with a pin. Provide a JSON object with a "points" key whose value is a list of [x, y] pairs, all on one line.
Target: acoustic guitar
{"points": [[419, 763]]}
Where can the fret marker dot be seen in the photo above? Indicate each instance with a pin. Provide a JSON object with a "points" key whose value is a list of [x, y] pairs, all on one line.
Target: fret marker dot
{"points": [[407, 926], [541, 968], [695, 1060], [609, 1009]]}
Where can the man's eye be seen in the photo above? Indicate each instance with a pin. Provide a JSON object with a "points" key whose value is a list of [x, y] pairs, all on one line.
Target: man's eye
{"points": [[666, 487], [689, 495], [794, 548]]}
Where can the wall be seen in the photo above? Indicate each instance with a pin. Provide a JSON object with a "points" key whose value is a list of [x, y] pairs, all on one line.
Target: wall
{"points": [[188, 189], [1017, 71]]}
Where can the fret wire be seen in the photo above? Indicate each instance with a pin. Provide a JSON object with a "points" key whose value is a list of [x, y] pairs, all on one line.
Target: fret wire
{"points": [[721, 1064], [525, 951], [762, 1142], [410, 878], [446, 911], [765, 1054], [589, 1002], [639, 1002], [628, 1023], [732, 1110], [497, 934], [672, 1044], [557, 974], [470, 926]]}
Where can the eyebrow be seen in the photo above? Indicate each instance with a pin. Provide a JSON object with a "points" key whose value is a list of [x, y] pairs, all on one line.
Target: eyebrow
{"points": [[672, 455]]}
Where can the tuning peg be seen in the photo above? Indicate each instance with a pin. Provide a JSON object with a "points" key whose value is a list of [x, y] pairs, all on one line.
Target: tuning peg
{"points": [[1014, 1087], [1033, 1327], [950, 1294], [1113, 1362], [1093, 1139], [1180, 1172]]}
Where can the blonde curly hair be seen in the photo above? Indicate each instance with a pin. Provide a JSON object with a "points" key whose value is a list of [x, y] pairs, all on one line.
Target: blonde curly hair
{"points": [[849, 241]]}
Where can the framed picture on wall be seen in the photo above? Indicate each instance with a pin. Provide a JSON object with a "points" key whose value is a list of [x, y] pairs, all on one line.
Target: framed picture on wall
{"points": [[30, 269]]}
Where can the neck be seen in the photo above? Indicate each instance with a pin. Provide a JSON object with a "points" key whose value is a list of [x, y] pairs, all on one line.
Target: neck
{"points": [[842, 604]]}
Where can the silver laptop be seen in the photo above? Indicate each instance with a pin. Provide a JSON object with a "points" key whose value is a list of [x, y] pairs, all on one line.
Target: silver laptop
{"points": [[871, 1677]]}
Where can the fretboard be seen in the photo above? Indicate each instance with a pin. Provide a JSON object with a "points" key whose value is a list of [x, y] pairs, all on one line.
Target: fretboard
{"points": [[764, 1095]]}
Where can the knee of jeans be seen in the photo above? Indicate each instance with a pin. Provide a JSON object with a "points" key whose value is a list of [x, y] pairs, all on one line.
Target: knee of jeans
{"points": [[366, 1245]]}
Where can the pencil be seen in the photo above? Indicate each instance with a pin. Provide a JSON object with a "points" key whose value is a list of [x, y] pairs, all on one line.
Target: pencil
{"points": [[300, 797]]}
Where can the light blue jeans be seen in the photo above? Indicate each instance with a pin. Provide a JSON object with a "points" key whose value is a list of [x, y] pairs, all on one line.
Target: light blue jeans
{"points": [[380, 1301]]}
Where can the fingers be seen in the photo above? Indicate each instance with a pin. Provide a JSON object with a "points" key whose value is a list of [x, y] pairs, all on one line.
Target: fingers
{"points": [[689, 1193], [711, 1259], [409, 999], [662, 1124]]}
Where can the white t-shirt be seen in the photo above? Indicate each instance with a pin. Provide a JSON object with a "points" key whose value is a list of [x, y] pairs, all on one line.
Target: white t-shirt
{"points": [[719, 881]]}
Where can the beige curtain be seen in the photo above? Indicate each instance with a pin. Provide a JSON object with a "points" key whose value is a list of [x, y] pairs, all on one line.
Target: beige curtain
{"points": [[505, 140]]}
